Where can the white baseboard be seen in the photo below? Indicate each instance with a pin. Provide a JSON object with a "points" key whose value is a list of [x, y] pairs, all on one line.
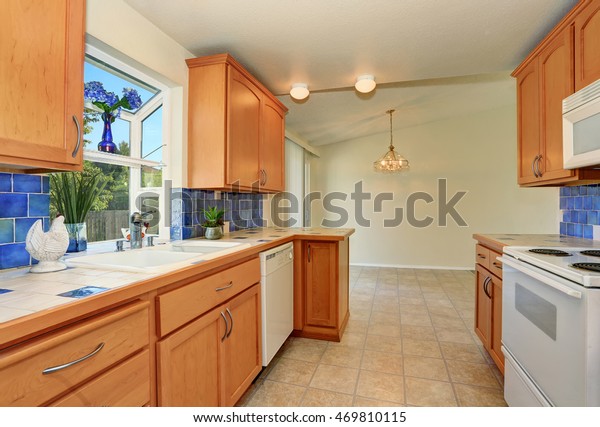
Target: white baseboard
{"points": [[418, 267]]}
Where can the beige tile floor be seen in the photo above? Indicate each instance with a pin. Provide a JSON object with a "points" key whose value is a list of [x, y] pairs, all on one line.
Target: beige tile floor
{"points": [[409, 342]]}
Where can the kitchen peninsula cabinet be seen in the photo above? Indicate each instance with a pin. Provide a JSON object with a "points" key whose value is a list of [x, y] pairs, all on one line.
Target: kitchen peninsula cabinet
{"points": [[235, 128], [41, 64], [321, 289], [214, 359], [488, 302], [547, 76]]}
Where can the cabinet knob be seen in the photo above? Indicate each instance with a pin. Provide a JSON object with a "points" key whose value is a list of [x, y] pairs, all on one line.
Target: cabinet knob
{"points": [[78, 145]]}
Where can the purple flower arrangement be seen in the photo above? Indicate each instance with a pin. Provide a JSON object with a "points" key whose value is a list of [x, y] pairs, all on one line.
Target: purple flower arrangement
{"points": [[109, 102]]}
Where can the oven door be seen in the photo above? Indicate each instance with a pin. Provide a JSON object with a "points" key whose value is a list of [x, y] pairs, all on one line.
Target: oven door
{"points": [[543, 327]]}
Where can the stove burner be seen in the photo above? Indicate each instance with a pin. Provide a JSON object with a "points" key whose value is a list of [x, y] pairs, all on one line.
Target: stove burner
{"points": [[591, 252], [590, 266], [553, 252]]}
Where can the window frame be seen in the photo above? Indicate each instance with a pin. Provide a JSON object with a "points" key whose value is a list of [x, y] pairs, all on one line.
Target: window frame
{"points": [[134, 161]]}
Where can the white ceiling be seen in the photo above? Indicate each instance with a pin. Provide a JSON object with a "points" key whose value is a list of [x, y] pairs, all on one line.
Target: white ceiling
{"points": [[432, 59]]}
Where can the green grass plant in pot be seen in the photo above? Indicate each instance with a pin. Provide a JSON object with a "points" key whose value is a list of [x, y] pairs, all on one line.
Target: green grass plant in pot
{"points": [[73, 194], [213, 222]]}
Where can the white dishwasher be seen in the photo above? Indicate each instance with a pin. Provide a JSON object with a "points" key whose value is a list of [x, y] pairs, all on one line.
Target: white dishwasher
{"points": [[277, 298]]}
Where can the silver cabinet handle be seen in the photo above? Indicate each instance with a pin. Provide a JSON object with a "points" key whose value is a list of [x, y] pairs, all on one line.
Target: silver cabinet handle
{"points": [[533, 169], [231, 317], [222, 288], [266, 177], [74, 362], [480, 256], [226, 327], [497, 264], [486, 282], [78, 145], [537, 166]]}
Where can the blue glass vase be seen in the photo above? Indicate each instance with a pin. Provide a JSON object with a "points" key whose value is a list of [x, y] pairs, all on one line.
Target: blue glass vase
{"points": [[107, 145]]}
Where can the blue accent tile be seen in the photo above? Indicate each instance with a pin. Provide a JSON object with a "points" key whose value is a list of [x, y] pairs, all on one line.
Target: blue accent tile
{"points": [[578, 230], [578, 202], [563, 228], [570, 229], [13, 255], [46, 223], [187, 232], [588, 232], [563, 191], [5, 291], [563, 203], [45, 184], [571, 202], [187, 219], [7, 230], [566, 216], [13, 205], [5, 182], [587, 202], [83, 292], [581, 217], [39, 205], [583, 190], [27, 183], [596, 203], [592, 190], [22, 226], [592, 217]]}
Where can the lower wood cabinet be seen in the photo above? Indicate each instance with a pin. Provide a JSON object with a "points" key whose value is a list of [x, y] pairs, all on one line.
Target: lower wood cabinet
{"points": [[91, 363], [214, 359], [321, 289], [488, 303]]}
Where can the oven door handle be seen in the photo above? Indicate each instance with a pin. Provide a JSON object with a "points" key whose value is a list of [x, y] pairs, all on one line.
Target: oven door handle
{"points": [[542, 278]]}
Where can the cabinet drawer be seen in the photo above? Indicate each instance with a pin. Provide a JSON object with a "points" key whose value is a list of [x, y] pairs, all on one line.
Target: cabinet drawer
{"points": [[182, 305], [22, 381], [128, 384], [482, 256], [495, 264]]}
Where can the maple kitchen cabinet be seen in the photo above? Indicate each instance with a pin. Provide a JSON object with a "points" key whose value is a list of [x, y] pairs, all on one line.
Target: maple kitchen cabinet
{"points": [[101, 361], [488, 302], [213, 359], [587, 44], [567, 57], [41, 85], [235, 128], [321, 289]]}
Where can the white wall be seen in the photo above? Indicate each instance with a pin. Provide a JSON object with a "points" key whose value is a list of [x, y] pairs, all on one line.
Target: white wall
{"points": [[476, 154], [122, 32]]}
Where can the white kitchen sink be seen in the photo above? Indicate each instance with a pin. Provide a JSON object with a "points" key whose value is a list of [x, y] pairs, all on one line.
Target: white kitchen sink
{"points": [[156, 259]]}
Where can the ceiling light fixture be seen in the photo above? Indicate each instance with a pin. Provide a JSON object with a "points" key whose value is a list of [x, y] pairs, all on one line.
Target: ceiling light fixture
{"points": [[365, 83], [391, 161], [299, 91]]}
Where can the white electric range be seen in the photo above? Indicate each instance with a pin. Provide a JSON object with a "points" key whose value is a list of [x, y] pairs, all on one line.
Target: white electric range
{"points": [[551, 326]]}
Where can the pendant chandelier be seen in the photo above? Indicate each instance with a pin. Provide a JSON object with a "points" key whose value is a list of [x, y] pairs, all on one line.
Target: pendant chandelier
{"points": [[391, 162]]}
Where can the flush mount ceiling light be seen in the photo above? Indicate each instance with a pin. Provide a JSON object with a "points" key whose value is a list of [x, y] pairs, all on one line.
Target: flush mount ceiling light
{"points": [[391, 161], [299, 91], [365, 83]]}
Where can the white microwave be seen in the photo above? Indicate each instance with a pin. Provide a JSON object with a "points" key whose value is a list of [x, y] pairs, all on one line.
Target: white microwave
{"points": [[581, 127]]}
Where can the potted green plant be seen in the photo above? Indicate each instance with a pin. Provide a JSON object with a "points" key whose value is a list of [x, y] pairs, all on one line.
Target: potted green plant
{"points": [[73, 194], [213, 222]]}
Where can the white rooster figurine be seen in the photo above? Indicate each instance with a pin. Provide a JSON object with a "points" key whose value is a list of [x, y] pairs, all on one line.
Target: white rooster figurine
{"points": [[48, 247]]}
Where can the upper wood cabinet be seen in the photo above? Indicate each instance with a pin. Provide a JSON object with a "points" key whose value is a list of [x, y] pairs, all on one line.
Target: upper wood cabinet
{"points": [[235, 128], [587, 45], [41, 84], [544, 79]]}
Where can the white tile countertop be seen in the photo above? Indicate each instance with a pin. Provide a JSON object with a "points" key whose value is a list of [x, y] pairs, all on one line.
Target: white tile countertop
{"points": [[23, 293]]}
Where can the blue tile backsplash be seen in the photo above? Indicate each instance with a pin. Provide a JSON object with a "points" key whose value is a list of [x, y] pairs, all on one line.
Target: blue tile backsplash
{"points": [[23, 200], [242, 210], [580, 208]]}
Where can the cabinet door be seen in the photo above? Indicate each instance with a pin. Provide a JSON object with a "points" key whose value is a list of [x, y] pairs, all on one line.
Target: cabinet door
{"points": [[483, 306], [495, 288], [272, 153], [556, 83], [587, 45], [321, 284], [244, 130], [528, 122], [188, 363], [41, 83], [242, 352]]}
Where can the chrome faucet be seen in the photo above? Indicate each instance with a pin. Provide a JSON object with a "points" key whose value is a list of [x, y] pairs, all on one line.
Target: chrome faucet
{"points": [[135, 230]]}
